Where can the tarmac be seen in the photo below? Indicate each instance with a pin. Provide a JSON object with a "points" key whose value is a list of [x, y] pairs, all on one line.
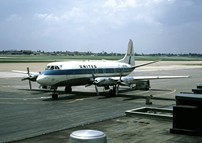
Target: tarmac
{"points": [[29, 116]]}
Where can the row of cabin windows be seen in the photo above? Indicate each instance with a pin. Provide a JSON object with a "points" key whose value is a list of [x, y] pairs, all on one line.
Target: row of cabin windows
{"points": [[111, 70], [89, 71], [81, 66], [87, 66]]}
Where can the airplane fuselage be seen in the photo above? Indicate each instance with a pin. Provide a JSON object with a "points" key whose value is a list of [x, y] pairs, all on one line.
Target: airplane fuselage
{"points": [[73, 73]]}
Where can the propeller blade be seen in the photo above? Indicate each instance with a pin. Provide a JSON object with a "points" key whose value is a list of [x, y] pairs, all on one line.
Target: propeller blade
{"points": [[96, 89], [26, 78], [93, 76], [87, 85], [30, 85], [117, 89], [119, 83], [120, 76], [28, 73]]}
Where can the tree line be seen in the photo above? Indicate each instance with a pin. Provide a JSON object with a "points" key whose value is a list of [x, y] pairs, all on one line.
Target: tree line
{"points": [[89, 53]]}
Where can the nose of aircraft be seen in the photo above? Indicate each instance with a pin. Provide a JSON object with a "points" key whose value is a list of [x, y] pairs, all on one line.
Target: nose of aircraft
{"points": [[41, 80]]}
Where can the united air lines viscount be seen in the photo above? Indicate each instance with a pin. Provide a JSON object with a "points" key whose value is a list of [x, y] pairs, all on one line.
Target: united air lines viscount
{"points": [[101, 73]]}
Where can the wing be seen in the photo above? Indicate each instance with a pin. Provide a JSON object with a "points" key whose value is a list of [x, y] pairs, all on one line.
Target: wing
{"points": [[157, 77], [145, 64], [128, 80], [124, 81], [25, 72]]}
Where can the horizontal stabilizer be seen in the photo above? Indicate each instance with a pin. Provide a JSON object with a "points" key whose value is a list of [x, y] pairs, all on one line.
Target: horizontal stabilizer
{"points": [[146, 64]]}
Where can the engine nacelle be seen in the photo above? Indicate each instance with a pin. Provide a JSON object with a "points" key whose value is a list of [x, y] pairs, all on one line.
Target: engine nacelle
{"points": [[142, 85], [103, 81]]}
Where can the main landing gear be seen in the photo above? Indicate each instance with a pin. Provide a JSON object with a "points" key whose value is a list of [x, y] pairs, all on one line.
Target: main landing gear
{"points": [[114, 91], [68, 89]]}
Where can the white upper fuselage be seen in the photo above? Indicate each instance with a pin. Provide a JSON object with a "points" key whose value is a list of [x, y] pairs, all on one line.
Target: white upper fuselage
{"points": [[73, 73]]}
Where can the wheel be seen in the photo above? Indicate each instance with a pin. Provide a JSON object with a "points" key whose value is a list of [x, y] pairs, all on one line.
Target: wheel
{"points": [[55, 96], [112, 92], [68, 89], [44, 87]]}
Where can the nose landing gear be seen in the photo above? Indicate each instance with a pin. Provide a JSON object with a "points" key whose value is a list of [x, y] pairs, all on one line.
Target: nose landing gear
{"points": [[54, 94]]}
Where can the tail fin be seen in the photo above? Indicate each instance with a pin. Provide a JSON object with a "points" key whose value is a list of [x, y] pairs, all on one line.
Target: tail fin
{"points": [[129, 56]]}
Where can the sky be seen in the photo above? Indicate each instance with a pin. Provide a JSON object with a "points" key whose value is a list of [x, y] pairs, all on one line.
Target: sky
{"points": [[155, 26]]}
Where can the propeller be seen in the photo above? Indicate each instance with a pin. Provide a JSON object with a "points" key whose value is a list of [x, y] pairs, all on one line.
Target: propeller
{"points": [[28, 78], [121, 82], [28, 73], [94, 82], [118, 83]]}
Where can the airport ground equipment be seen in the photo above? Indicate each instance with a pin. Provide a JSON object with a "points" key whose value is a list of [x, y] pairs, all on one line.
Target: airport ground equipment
{"points": [[88, 136], [142, 85], [187, 114], [198, 89]]}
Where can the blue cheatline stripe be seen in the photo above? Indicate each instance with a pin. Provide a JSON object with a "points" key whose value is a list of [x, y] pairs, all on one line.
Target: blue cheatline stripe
{"points": [[86, 71]]}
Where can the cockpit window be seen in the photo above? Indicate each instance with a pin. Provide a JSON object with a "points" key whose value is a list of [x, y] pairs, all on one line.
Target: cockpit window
{"points": [[57, 68], [47, 68], [53, 67]]}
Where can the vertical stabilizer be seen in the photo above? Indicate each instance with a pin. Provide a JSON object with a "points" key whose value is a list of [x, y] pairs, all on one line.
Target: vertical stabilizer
{"points": [[129, 56]]}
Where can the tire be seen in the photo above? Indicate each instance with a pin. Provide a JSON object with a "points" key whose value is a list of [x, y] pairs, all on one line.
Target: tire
{"points": [[54, 96]]}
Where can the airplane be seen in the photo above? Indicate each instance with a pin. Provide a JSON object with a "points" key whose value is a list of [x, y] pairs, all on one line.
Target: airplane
{"points": [[102, 73]]}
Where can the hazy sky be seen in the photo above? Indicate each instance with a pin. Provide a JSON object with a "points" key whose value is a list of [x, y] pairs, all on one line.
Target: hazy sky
{"points": [[155, 26]]}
